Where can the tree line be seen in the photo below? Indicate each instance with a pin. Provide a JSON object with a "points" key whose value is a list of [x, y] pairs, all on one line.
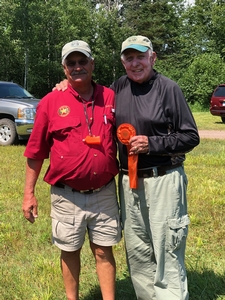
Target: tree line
{"points": [[189, 40]]}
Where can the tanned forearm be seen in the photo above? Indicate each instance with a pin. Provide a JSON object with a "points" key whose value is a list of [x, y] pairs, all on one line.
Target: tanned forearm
{"points": [[33, 168], [30, 204]]}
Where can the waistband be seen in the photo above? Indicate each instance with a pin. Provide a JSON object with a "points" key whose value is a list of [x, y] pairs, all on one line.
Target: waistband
{"points": [[153, 171], [62, 186]]}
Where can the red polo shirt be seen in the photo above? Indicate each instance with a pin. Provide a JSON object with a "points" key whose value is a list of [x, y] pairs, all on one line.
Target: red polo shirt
{"points": [[61, 125]]}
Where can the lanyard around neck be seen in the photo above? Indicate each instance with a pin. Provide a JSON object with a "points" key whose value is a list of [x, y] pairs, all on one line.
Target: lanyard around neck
{"points": [[89, 123]]}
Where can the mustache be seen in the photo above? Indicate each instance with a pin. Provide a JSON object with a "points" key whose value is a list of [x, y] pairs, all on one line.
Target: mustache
{"points": [[78, 73]]}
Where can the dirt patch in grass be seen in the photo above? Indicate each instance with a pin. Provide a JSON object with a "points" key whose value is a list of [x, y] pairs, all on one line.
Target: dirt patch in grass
{"points": [[212, 134]]}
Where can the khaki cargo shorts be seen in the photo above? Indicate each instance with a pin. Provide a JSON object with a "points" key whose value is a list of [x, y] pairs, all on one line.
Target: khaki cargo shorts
{"points": [[73, 214]]}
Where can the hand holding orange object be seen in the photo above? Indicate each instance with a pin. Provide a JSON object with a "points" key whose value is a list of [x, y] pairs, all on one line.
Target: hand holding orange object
{"points": [[124, 133]]}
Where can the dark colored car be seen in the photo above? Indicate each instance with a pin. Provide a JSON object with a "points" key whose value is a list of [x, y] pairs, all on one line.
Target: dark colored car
{"points": [[17, 113], [217, 102]]}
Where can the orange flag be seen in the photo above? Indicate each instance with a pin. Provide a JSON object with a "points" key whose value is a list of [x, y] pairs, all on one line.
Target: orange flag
{"points": [[124, 133]]}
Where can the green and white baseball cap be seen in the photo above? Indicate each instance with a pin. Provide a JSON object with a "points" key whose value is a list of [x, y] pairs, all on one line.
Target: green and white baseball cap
{"points": [[137, 42]]}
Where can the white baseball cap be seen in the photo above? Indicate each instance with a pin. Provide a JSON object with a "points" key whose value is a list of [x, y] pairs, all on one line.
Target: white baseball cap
{"points": [[76, 45]]}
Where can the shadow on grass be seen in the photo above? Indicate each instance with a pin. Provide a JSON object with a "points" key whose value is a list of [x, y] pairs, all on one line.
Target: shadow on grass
{"points": [[221, 123], [202, 286], [124, 291], [22, 142], [206, 285]]}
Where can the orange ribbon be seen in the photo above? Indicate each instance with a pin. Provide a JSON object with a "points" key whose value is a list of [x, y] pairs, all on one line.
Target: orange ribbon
{"points": [[124, 133]]}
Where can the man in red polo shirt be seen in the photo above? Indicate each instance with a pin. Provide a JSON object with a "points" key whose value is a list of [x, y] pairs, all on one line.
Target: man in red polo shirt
{"points": [[76, 130]]}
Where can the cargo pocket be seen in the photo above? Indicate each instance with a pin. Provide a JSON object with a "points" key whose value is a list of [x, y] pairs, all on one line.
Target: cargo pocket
{"points": [[177, 230], [63, 229]]}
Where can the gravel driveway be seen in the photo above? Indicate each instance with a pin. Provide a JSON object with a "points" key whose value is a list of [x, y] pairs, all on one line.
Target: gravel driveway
{"points": [[212, 134]]}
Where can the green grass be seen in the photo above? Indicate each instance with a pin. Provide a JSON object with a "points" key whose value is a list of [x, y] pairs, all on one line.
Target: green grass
{"points": [[29, 264], [206, 121], [205, 256]]}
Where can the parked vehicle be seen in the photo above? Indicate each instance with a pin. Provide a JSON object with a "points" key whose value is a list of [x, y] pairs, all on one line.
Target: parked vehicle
{"points": [[217, 102], [17, 113]]}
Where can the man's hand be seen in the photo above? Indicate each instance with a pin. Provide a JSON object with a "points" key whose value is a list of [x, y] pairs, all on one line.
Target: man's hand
{"points": [[139, 144], [62, 86], [30, 208], [30, 205]]}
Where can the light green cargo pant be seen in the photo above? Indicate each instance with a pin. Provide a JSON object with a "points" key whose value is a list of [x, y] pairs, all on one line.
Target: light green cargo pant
{"points": [[155, 222]]}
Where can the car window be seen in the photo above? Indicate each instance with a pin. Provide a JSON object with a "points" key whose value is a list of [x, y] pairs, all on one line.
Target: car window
{"points": [[13, 91], [4, 92], [220, 91]]}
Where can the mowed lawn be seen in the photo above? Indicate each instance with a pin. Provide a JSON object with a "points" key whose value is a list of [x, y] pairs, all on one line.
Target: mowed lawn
{"points": [[29, 264]]}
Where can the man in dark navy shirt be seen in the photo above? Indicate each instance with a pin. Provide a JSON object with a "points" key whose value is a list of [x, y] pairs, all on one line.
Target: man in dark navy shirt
{"points": [[154, 214]]}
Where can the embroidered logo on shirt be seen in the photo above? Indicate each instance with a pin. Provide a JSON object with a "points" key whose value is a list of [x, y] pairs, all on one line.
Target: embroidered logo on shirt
{"points": [[64, 111]]}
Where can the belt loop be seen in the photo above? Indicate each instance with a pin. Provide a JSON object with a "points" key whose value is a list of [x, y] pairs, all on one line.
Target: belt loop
{"points": [[155, 172]]}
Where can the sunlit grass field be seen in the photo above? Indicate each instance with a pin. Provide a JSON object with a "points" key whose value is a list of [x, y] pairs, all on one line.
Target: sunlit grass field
{"points": [[206, 121], [29, 264]]}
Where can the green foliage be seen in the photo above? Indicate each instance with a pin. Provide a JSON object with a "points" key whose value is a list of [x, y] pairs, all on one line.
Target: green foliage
{"points": [[106, 47], [32, 34], [201, 77], [158, 20], [216, 34], [169, 68], [196, 24], [39, 30]]}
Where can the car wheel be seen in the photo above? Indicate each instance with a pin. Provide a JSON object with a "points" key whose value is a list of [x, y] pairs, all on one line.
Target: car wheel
{"points": [[8, 134], [223, 119]]}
